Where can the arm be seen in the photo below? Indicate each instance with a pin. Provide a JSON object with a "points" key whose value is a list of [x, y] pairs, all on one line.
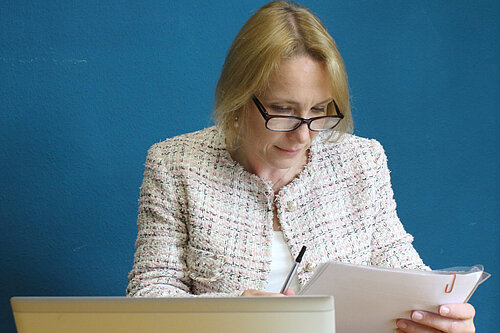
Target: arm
{"points": [[160, 262], [159, 265], [391, 244]]}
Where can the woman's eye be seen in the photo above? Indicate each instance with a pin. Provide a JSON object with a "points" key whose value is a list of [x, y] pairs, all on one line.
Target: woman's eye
{"points": [[319, 109], [278, 108]]}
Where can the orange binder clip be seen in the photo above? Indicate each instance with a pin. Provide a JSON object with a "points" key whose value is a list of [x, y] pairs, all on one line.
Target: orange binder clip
{"points": [[450, 289]]}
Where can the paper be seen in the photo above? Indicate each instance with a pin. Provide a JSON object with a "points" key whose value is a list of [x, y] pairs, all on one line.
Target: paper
{"points": [[369, 299]]}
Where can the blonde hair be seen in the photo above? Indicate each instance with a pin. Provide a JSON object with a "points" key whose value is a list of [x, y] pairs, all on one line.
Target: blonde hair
{"points": [[277, 31]]}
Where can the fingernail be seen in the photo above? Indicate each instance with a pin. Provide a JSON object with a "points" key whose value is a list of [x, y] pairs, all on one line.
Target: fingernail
{"points": [[401, 324], [444, 310], [417, 315]]}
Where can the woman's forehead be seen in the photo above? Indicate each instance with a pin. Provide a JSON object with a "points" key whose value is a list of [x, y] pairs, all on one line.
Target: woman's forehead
{"points": [[297, 78]]}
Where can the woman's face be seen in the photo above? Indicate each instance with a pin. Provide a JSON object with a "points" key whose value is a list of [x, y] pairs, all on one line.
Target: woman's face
{"points": [[299, 87]]}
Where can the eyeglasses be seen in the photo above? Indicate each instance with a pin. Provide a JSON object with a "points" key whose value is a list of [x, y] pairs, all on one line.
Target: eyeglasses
{"points": [[279, 123]]}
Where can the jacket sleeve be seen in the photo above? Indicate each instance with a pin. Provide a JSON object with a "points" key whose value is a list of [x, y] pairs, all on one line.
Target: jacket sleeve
{"points": [[159, 263], [391, 244], [160, 267]]}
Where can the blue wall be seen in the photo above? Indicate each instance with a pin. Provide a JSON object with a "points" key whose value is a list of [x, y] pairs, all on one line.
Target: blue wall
{"points": [[86, 87]]}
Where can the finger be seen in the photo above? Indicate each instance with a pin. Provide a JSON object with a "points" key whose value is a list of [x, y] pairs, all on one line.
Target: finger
{"points": [[249, 292], [408, 326], [289, 292], [457, 311], [255, 292], [441, 323]]}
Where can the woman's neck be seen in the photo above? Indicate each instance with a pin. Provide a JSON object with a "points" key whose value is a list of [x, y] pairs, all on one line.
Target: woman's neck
{"points": [[279, 177]]}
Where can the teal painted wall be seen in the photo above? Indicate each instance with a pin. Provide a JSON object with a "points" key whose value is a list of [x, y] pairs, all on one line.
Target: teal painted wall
{"points": [[86, 87]]}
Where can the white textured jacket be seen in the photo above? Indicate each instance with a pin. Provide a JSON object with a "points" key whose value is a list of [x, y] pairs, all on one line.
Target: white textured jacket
{"points": [[205, 224]]}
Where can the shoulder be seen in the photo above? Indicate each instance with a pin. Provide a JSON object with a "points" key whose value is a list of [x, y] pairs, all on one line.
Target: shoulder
{"points": [[204, 141], [190, 146], [205, 138], [350, 149]]}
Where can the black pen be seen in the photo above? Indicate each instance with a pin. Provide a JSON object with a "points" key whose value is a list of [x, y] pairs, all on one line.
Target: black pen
{"points": [[294, 270]]}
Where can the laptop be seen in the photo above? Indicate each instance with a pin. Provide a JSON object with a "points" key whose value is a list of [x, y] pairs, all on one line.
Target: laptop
{"points": [[179, 315]]}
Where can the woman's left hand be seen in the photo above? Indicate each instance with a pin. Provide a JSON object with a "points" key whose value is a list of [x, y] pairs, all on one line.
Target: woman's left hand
{"points": [[451, 318]]}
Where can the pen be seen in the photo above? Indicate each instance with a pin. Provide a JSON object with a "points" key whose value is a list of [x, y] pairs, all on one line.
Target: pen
{"points": [[294, 270]]}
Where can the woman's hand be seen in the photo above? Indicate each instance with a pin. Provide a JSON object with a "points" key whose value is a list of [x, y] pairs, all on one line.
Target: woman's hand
{"points": [[451, 318], [254, 292]]}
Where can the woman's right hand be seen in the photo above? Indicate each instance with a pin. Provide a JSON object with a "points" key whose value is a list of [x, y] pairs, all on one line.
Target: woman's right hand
{"points": [[255, 292]]}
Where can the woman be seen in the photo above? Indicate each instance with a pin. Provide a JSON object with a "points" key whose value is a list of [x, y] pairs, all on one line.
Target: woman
{"points": [[222, 210]]}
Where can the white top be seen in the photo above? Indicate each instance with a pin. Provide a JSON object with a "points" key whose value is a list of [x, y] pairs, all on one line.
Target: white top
{"points": [[281, 265]]}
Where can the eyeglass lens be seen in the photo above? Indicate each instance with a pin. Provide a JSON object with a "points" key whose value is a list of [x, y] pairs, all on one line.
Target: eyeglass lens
{"points": [[286, 124]]}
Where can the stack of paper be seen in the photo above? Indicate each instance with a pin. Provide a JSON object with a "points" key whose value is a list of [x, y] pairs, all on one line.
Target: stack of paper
{"points": [[370, 299]]}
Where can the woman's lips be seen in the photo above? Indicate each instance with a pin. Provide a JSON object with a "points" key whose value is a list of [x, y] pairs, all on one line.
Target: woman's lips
{"points": [[289, 152]]}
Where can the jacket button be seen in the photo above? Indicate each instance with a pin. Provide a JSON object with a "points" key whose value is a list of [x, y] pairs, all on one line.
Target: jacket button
{"points": [[291, 206], [310, 267]]}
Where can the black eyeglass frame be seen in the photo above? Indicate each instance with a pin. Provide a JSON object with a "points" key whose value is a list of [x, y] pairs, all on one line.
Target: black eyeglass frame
{"points": [[268, 117]]}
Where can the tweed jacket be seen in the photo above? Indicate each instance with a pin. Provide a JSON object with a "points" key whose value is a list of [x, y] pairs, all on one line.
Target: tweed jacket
{"points": [[205, 224]]}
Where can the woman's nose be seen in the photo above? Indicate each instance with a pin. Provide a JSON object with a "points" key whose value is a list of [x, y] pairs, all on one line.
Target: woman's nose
{"points": [[302, 134]]}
